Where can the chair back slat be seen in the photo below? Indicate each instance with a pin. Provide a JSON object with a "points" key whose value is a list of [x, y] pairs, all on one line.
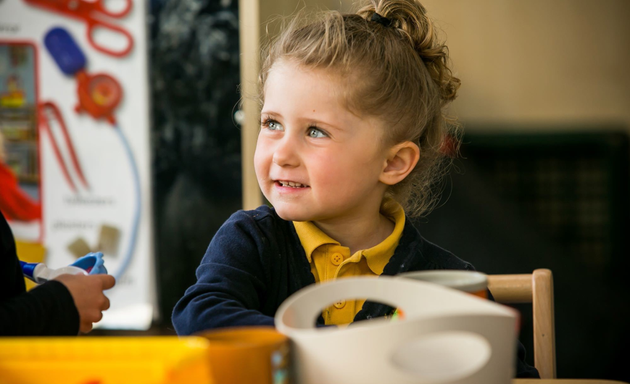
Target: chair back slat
{"points": [[544, 323], [511, 288], [535, 288]]}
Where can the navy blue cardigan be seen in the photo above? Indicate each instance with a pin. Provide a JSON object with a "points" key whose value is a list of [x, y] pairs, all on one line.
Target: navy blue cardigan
{"points": [[255, 261]]}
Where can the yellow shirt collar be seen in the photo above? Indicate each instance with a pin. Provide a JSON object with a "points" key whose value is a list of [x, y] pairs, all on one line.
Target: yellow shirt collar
{"points": [[377, 257], [311, 237]]}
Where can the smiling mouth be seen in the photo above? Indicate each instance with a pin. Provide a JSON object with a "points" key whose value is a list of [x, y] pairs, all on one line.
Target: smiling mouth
{"points": [[291, 184]]}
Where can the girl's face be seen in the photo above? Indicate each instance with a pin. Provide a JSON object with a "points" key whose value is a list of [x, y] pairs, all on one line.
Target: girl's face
{"points": [[315, 160]]}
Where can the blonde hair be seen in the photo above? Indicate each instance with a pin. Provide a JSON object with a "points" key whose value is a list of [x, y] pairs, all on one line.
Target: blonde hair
{"points": [[398, 73]]}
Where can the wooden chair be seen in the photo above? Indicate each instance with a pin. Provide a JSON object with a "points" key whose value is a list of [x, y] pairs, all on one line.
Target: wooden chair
{"points": [[535, 288]]}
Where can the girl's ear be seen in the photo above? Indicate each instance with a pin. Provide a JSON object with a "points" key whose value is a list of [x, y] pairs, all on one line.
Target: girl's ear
{"points": [[401, 160]]}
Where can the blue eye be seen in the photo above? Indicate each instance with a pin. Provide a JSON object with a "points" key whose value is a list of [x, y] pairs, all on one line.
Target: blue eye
{"points": [[316, 133], [272, 125]]}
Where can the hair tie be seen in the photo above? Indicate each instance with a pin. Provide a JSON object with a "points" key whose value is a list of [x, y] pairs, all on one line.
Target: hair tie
{"points": [[381, 20]]}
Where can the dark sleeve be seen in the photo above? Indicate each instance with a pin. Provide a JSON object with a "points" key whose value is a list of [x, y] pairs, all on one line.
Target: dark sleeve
{"points": [[230, 281], [46, 310], [524, 370]]}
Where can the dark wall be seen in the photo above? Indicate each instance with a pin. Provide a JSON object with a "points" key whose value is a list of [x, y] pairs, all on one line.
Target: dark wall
{"points": [[517, 202], [194, 72]]}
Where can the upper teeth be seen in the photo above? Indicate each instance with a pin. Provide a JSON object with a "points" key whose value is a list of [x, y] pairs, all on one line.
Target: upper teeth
{"points": [[291, 184]]}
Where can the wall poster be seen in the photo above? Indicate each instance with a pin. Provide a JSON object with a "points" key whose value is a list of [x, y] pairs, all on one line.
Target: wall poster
{"points": [[74, 142]]}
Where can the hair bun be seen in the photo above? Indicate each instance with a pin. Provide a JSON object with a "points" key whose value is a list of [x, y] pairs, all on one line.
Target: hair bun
{"points": [[409, 18]]}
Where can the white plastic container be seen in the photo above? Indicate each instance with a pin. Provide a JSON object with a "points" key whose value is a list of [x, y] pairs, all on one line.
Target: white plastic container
{"points": [[446, 336]]}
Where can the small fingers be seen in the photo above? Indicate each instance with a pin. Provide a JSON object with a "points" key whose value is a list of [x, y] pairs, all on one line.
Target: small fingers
{"points": [[85, 327], [93, 316]]}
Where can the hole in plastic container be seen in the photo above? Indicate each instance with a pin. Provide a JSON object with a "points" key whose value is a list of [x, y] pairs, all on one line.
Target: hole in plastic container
{"points": [[443, 356], [342, 312]]}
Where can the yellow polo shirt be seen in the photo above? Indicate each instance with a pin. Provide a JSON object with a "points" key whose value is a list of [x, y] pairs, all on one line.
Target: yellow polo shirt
{"points": [[330, 260]]}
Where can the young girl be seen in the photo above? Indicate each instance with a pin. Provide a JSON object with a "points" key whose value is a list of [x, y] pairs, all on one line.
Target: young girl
{"points": [[352, 137]]}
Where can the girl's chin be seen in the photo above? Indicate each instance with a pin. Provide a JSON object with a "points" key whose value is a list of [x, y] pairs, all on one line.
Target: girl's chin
{"points": [[291, 214], [292, 217]]}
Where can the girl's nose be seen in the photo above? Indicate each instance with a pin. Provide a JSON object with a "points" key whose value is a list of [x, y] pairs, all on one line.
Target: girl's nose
{"points": [[286, 153]]}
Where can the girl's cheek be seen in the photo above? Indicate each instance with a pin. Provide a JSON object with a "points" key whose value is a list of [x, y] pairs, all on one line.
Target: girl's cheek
{"points": [[258, 159], [262, 147]]}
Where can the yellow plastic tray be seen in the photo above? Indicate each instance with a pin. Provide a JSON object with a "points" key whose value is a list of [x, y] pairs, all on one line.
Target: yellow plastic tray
{"points": [[104, 360]]}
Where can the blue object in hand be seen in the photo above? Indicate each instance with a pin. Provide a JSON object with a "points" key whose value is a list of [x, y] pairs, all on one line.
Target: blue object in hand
{"points": [[90, 264], [64, 50]]}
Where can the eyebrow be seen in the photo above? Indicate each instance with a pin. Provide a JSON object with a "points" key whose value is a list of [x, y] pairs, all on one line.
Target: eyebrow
{"points": [[309, 121], [271, 114]]}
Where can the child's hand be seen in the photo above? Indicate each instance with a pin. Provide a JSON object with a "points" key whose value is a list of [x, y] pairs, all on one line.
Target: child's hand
{"points": [[87, 293]]}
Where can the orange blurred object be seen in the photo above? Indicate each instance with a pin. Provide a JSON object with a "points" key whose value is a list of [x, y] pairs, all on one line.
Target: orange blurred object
{"points": [[248, 355]]}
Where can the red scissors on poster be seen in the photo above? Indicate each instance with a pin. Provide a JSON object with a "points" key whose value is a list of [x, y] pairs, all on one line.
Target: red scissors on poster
{"points": [[95, 14]]}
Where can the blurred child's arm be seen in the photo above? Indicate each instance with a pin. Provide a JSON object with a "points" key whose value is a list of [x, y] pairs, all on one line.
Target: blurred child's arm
{"points": [[60, 307], [46, 310], [231, 282]]}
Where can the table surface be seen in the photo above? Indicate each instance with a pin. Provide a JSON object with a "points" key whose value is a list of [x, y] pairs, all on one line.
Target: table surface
{"points": [[565, 381]]}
